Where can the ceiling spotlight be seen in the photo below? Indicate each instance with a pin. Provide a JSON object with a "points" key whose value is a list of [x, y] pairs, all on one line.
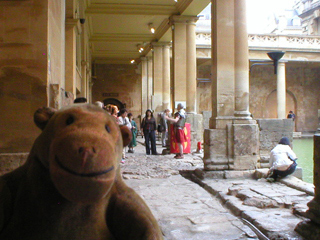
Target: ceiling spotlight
{"points": [[140, 48], [132, 61], [176, 0], [152, 28]]}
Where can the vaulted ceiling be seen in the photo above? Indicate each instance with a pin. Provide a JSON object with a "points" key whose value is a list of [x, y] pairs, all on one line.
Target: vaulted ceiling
{"points": [[117, 27]]}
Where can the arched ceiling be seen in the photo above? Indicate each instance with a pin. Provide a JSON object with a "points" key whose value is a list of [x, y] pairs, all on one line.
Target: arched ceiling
{"points": [[117, 27]]}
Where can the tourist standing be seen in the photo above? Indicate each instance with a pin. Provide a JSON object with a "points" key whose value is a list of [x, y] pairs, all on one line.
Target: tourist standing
{"points": [[123, 120], [148, 130], [179, 121], [164, 126], [134, 130], [291, 115]]}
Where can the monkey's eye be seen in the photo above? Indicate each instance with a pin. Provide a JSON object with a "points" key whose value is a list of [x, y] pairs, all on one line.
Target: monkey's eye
{"points": [[107, 128], [69, 120]]}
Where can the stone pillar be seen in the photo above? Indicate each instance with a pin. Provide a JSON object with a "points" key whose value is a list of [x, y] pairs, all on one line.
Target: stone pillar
{"points": [[241, 62], [223, 62], [166, 102], [310, 229], [231, 143], [183, 47], [157, 76], [179, 58], [281, 90], [70, 60], [191, 67], [314, 205], [150, 83], [144, 85]]}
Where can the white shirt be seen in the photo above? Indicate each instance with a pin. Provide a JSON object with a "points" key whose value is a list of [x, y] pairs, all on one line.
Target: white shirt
{"points": [[280, 157], [124, 121]]}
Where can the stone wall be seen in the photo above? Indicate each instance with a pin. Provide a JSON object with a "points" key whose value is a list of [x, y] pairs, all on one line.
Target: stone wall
{"points": [[302, 93], [127, 88], [23, 71], [270, 132]]}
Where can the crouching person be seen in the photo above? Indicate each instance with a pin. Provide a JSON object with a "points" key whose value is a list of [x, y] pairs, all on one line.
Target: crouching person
{"points": [[282, 160]]}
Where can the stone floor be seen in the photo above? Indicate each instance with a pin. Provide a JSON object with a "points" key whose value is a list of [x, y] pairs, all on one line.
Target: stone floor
{"points": [[192, 208]]}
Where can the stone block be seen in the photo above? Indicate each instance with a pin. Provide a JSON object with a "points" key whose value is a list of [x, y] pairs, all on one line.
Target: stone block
{"points": [[298, 173], [245, 146], [274, 125], [261, 173], [239, 174], [206, 118], [215, 137], [245, 139], [214, 174], [308, 229], [218, 150]]}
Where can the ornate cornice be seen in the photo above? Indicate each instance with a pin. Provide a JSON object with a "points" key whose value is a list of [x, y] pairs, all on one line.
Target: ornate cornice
{"points": [[130, 9]]}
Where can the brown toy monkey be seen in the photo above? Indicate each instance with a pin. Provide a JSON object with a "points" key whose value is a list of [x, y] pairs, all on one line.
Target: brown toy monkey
{"points": [[71, 186]]}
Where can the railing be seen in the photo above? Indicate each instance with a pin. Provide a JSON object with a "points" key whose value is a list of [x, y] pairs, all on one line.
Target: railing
{"points": [[271, 41], [284, 41]]}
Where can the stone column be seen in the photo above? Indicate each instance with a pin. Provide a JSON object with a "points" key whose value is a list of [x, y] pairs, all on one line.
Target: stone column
{"points": [[183, 49], [231, 143], [185, 71], [144, 85], [166, 102], [241, 62], [150, 83], [223, 62], [70, 59], [157, 76], [179, 58], [310, 229], [191, 67], [281, 90], [314, 205]]}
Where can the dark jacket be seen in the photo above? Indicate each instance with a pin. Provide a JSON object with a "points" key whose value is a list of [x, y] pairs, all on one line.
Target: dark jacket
{"points": [[148, 124]]}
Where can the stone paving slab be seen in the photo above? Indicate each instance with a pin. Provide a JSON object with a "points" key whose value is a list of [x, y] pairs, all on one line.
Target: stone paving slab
{"points": [[213, 208], [185, 211], [272, 214]]}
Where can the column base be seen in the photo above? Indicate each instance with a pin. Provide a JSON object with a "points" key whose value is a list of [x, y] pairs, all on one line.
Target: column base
{"points": [[308, 229], [314, 211], [215, 156], [242, 115], [220, 122], [234, 148]]}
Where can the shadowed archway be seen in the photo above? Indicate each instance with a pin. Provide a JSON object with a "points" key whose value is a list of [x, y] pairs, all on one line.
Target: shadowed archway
{"points": [[114, 101]]}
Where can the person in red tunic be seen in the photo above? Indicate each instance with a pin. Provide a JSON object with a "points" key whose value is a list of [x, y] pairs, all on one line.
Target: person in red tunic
{"points": [[179, 121]]}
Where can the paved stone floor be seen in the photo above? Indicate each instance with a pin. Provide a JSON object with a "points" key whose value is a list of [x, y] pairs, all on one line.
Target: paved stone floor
{"points": [[213, 208]]}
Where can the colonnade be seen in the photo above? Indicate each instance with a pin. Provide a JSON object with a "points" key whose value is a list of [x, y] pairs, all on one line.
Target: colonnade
{"points": [[229, 87], [164, 92]]}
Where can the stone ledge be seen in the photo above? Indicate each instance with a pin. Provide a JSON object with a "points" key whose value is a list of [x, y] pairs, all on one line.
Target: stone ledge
{"points": [[224, 174], [291, 181]]}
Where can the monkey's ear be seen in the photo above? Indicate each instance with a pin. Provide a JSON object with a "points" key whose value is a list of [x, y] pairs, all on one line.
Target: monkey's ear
{"points": [[42, 115], [126, 135]]}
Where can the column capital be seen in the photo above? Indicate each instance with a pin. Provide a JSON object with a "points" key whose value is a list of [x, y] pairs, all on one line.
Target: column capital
{"points": [[183, 19]]}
